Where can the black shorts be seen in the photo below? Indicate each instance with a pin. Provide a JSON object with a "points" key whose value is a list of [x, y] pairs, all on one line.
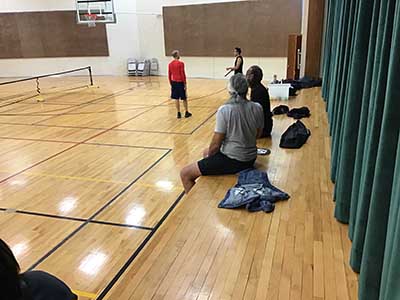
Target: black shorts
{"points": [[220, 164], [178, 90]]}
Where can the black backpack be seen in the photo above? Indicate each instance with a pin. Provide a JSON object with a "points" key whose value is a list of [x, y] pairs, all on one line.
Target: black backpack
{"points": [[298, 113], [295, 136], [280, 110]]}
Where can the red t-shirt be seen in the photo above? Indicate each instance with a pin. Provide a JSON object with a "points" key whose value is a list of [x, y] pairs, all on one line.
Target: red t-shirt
{"points": [[176, 71]]}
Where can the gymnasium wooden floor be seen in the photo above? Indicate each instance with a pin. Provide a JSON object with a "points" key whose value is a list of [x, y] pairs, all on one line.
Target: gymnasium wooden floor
{"points": [[90, 191]]}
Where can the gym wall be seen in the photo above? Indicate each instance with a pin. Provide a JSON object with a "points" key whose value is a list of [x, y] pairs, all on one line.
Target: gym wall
{"points": [[260, 28]]}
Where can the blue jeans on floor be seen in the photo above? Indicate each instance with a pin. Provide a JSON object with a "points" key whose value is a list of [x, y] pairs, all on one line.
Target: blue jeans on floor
{"points": [[253, 191]]}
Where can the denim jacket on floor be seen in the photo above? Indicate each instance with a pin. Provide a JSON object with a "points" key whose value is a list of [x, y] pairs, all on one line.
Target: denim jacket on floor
{"points": [[253, 191]]}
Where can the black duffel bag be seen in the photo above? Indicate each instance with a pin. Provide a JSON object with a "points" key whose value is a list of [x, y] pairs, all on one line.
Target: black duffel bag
{"points": [[295, 136]]}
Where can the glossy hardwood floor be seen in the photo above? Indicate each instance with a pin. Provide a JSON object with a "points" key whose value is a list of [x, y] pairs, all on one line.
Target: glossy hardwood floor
{"points": [[90, 192]]}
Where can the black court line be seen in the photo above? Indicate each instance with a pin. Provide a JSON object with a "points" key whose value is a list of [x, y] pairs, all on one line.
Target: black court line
{"points": [[52, 126], [71, 147], [88, 143], [138, 250], [204, 122], [121, 225], [18, 101], [119, 93], [71, 105], [152, 131], [36, 140], [38, 214], [53, 113], [88, 221], [128, 146], [51, 216], [96, 128]]}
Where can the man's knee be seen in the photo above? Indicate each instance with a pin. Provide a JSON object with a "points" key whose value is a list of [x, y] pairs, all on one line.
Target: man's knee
{"points": [[184, 172], [190, 172]]}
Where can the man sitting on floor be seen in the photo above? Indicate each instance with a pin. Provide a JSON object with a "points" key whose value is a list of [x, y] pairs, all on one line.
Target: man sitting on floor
{"points": [[233, 147], [259, 94]]}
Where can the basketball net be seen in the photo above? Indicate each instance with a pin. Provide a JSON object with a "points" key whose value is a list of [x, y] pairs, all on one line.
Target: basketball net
{"points": [[91, 18]]}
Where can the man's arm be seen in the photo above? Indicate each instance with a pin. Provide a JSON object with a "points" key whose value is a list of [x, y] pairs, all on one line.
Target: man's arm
{"points": [[236, 67], [216, 143], [183, 73], [238, 63], [169, 75]]}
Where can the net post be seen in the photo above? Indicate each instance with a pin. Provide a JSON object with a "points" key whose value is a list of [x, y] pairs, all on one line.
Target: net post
{"points": [[90, 75], [39, 96]]}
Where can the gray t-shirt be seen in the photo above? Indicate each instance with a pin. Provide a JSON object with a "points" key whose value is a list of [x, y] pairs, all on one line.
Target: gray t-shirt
{"points": [[239, 122]]}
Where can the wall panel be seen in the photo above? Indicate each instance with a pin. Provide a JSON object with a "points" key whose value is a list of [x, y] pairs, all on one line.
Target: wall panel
{"points": [[260, 28], [49, 34]]}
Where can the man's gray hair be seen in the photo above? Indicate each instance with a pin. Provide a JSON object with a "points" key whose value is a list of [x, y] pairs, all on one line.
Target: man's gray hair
{"points": [[237, 88]]}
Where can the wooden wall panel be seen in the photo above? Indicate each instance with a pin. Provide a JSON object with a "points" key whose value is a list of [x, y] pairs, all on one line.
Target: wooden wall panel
{"points": [[49, 34], [314, 38], [260, 28]]}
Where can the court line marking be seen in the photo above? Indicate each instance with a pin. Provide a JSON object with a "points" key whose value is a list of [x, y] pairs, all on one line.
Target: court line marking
{"points": [[89, 143], [51, 113], [94, 128], [89, 179], [143, 244], [118, 93], [111, 284], [36, 140], [38, 214], [105, 206], [76, 219], [84, 294], [36, 95], [204, 122], [69, 148], [121, 225], [50, 126], [78, 178], [128, 146]]}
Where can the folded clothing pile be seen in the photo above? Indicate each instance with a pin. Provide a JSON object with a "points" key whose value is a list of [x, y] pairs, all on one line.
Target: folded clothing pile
{"points": [[295, 113], [254, 192]]}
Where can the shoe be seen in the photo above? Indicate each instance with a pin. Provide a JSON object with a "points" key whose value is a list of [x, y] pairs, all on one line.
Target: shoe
{"points": [[179, 115], [188, 114]]}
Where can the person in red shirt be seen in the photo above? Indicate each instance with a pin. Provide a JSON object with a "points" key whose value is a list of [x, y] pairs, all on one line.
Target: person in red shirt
{"points": [[177, 80]]}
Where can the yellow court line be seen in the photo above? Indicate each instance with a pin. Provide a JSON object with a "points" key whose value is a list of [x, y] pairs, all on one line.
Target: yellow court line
{"points": [[156, 186], [69, 177], [77, 178], [93, 179], [85, 294]]}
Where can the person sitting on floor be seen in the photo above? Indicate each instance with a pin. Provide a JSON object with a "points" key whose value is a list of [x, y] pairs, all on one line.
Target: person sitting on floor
{"points": [[32, 285], [259, 93], [233, 146]]}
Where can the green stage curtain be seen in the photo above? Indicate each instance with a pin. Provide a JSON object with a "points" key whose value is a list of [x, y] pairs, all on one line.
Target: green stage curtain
{"points": [[362, 91], [390, 282], [351, 120]]}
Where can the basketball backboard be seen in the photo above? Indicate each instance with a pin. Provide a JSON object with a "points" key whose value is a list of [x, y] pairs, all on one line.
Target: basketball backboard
{"points": [[95, 11]]}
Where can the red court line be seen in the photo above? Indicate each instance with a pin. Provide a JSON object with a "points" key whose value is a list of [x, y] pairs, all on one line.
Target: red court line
{"points": [[72, 147]]}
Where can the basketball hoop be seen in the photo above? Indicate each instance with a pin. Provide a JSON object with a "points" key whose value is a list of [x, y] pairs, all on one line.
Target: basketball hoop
{"points": [[91, 19]]}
